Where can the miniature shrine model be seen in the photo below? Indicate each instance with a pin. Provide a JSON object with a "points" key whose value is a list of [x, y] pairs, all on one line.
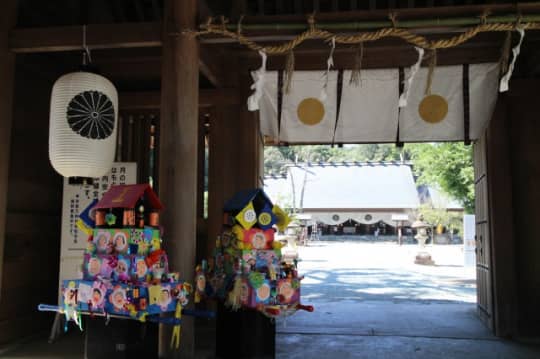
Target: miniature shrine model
{"points": [[247, 270], [125, 270]]}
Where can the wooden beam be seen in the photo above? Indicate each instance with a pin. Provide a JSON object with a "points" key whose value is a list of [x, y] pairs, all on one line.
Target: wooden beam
{"points": [[381, 57], [98, 36], [179, 124], [211, 66], [150, 100], [381, 14], [8, 16]]}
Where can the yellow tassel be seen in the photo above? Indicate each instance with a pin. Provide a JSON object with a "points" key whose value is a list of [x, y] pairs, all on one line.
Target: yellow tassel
{"points": [[235, 294], [272, 272], [175, 338]]}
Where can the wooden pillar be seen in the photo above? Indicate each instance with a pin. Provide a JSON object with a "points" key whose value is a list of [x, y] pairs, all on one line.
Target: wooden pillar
{"points": [[503, 253], [178, 152], [8, 16], [223, 164], [522, 127], [235, 150]]}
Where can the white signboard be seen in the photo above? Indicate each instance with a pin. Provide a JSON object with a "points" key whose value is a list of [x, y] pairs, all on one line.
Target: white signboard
{"points": [[469, 242], [76, 198]]}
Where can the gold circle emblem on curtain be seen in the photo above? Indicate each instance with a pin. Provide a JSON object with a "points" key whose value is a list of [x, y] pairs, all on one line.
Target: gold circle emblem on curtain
{"points": [[433, 108], [310, 111]]}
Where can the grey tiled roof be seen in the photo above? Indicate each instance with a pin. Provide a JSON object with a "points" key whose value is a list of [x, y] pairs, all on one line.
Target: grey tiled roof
{"points": [[346, 186]]}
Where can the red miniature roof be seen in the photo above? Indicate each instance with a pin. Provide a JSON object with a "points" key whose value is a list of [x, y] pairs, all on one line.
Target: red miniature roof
{"points": [[126, 196]]}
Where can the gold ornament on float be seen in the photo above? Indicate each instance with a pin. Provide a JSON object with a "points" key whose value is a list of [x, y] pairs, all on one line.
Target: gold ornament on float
{"points": [[433, 108], [310, 111]]}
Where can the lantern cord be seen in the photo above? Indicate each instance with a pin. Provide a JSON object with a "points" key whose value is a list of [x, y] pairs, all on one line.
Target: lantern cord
{"points": [[86, 53]]}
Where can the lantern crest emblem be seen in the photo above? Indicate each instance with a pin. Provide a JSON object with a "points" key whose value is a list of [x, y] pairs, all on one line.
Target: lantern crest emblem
{"points": [[91, 115]]}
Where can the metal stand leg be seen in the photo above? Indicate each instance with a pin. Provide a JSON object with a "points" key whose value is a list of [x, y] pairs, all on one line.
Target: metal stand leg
{"points": [[56, 329]]}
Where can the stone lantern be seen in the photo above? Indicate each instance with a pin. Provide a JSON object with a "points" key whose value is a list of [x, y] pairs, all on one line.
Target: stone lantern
{"points": [[422, 257]]}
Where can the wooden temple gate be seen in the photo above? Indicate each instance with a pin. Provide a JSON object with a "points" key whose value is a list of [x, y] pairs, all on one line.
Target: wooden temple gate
{"points": [[185, 86]]}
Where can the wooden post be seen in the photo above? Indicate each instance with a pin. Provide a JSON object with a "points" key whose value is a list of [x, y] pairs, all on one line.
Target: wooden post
{"points": [[178, 152], [503, 239], [7, 71], [235, 150]]}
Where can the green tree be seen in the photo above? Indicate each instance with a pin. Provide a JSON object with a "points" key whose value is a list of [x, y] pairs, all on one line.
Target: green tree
{"points": [[448, 165], [274, 161]]}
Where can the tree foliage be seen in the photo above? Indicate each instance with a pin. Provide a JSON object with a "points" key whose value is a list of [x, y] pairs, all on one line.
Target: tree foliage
{"points": [[447, 165]]}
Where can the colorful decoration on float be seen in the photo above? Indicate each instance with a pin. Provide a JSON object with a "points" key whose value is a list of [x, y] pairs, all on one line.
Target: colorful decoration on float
{"points": [[247, 270], [125, 270], [282, 218]]}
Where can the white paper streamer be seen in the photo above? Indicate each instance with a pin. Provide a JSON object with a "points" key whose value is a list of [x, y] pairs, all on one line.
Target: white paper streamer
{"points": [[329, 65], [503, 87], [258, 84], [414, 69]]}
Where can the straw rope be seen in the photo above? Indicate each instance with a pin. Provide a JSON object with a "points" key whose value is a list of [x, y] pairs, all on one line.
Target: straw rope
{"points": [[211, 28]]}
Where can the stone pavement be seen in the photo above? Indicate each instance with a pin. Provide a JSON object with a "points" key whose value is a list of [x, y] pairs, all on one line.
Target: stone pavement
{"points": [[372, 301]]}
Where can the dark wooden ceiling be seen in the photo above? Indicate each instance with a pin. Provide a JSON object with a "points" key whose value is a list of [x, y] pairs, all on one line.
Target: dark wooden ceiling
{"points": [[138, 69], [40, 13]]}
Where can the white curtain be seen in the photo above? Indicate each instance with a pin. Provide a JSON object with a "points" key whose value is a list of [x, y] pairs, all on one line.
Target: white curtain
{"points": [[369, 112]]}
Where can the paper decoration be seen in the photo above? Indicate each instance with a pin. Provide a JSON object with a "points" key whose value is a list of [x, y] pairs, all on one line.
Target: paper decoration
{"points": [[282, 218], [258, 84], [266, 218], [329, 65], [258, 239], [83, 125], [412, 72], [247, 264], [247, 216], [515, 52]]}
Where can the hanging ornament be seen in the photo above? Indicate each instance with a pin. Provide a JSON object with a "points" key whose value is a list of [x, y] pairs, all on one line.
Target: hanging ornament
{"points": [[247, 216], [503, 86], [110, 218], [258, 84], [412, 72], [83, 123], [433, 108], [282, 218]]}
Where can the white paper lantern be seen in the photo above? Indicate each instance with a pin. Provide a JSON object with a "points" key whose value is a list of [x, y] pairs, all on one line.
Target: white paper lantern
{"points": [[83, 121]]}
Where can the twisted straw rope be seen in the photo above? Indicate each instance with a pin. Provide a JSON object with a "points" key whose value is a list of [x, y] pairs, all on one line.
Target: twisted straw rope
{"points": [[315, 33]]}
